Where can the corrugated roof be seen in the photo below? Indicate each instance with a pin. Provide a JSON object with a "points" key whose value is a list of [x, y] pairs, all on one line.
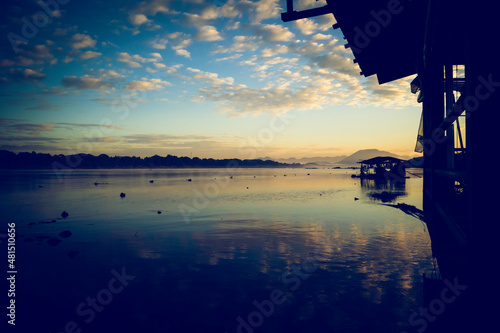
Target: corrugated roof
{"points": [[382, 159]]}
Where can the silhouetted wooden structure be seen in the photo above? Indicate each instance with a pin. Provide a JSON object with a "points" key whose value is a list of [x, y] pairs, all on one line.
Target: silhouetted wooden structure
{"points": [[451, 47], [383, 167]]}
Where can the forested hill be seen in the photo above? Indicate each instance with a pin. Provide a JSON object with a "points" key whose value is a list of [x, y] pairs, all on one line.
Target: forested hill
{"points": [[33, 160]]}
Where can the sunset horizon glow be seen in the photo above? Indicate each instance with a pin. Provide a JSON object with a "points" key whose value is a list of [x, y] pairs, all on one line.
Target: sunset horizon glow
{"points": [[207, 79]]}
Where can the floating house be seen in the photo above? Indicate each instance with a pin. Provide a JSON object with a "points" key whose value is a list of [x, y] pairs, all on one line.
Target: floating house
{"points": [[383, 167]]}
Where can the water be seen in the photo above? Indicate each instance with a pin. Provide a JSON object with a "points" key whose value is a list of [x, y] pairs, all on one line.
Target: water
{"points": [[258, 252]]}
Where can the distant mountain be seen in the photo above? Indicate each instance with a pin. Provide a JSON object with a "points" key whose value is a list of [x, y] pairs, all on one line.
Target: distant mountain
{"points": [[365, 154], [335, 160]]}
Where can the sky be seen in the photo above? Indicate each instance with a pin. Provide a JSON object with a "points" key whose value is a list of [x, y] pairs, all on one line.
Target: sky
{"points": [[212, 79]]}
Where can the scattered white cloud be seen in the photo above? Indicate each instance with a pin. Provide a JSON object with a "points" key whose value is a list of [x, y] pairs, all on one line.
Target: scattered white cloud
{"points": [[89, 55], [27, 74], [147, 85], [273, 51], [207, 33], [274, 33], [306, 26], [135, 60], [183, 53], [138, 19], [81, 41], [105, 73], [86, 82]]}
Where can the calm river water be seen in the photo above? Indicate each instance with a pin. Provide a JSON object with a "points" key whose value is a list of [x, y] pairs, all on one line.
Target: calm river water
{"points": [[248, 250]]}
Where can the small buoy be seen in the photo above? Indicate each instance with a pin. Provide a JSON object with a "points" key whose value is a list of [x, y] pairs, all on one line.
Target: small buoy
{"points": [[356, 198], [122, 195], [308, 174], [189, 180], [64, 215], [284, 175], [231, 177], [95, 184], [151, 181], [247, 187], [159, 212]]}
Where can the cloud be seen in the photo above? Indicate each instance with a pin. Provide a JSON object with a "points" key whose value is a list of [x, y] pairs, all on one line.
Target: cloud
{"points": [[30, 55], [210, 13], [182, 41], [86, 82], [88, 125], [27, 74], [105, 73], [183, 53], [212, 79], [339, 64], [274, 33], [152, 7], [233, 57], [133, 61], [81, 41], [239, 100], [31, 129], [147, 85], [168, 69], [207, 33], [89, 55], [138, 19], [159, 43], [241, 44], [275, 50], [265, 9], [306, 26]]}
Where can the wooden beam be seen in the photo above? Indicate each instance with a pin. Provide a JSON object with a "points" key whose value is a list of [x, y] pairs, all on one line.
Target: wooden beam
{"points": [[295, 15]]}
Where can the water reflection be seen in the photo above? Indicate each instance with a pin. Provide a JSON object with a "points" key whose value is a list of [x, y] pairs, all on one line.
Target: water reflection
{"points": [[383, 190], [342, 265]]}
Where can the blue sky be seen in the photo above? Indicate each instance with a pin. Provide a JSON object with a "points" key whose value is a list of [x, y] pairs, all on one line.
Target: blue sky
{"points": [[214, 79]]}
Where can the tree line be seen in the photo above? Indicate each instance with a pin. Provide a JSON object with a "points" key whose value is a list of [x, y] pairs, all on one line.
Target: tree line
{"points": [[33, 160]]}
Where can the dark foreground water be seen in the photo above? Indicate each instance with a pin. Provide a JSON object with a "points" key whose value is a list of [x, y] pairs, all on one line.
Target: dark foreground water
{"points": [[258, 252]]}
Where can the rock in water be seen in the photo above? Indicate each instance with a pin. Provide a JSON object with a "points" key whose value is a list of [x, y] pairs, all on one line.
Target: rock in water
{"points": [[122, 195], [64, 214], [65, 234]]}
